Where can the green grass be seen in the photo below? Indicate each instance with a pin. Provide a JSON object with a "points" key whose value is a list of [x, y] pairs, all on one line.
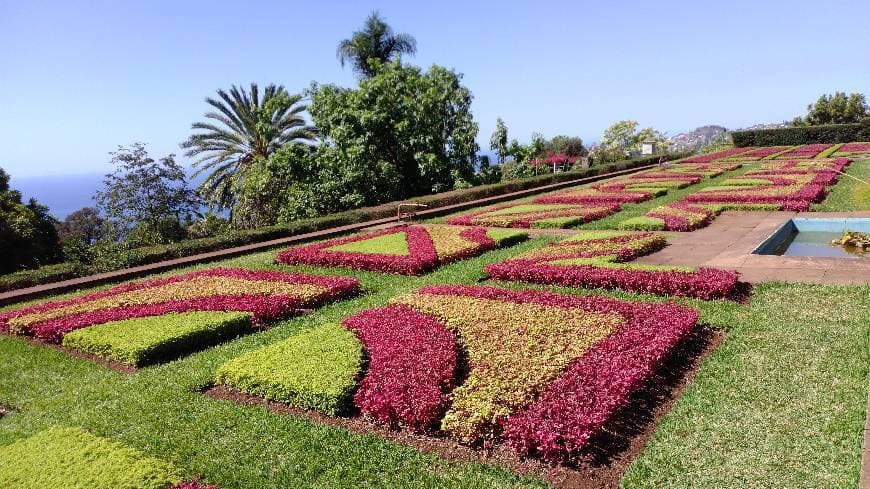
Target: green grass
{"points": [[849, 194], [780, 404], [506, 237], [146, 340], [71, 458], [522, 208], [315, 369], [643, 223], [387, 244]]}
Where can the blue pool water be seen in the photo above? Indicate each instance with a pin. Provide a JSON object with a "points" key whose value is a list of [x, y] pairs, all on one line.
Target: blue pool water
{"points": [[806, 236]]}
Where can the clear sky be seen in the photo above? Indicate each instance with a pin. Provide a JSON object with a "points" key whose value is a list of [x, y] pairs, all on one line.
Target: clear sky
{"points": [[79, 78]]}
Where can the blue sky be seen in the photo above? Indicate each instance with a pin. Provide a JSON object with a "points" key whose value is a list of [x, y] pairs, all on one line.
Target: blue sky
{"points": [[79, 78]]}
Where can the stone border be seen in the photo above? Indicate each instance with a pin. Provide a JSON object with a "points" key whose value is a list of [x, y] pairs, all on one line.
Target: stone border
{"points": [[133, 272]]}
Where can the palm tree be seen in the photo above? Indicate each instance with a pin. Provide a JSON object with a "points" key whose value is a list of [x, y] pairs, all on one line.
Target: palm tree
{"points": [[376, 40], [243, 128]]}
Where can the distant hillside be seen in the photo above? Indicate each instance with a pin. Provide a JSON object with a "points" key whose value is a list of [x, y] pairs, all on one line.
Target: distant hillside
{"points": [[703, 135], [695, 139]]}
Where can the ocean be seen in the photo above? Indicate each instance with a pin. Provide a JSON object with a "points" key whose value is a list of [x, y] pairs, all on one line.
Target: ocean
{"points": [[63, 194]]}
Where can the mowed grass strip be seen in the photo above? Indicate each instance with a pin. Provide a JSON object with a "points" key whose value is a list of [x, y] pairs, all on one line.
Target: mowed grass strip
{"points": [[779, 404], [849, 194], [315, 369], [71, 458], [146, 340]]}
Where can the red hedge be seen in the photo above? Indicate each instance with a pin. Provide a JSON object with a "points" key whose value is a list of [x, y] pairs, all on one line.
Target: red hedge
{"points": [[412, 366]]}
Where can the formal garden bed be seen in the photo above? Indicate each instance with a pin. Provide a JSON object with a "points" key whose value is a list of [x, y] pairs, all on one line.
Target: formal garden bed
{"points": [[601, 259], [148, 321], [407, 250], [481, 365], [789, 185], [73, 458], [526, 379]]}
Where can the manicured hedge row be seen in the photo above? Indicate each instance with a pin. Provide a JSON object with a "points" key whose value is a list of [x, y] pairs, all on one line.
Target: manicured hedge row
{"points": [[266, 295], [535, 215], [406, 249], [314, 369], [835, 133], [550, 378], [150, 339], [153, 254], [72, 458], [412, 366], [597, 260], [575, 407], [514, 350]]}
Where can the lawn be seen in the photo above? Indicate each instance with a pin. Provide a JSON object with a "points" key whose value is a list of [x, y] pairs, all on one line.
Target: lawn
{"points": [[849, 194], [748, 401], [779, 404]]}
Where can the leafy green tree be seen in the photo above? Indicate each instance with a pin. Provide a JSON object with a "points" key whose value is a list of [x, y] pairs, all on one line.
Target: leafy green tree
{"points": [[835, 109], [402, 132], [567, 145], [622, 139], [487, 172], [375, 42], [85, 223], [150, 196], [28, 236], [243, 127], [719, 142], [499, 140]]}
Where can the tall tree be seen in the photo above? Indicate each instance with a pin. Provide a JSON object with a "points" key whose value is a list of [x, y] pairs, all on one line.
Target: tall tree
{"points": [[499, 140], [401, 133], [623, 138], [243, 127], [835, 109], [567, 145], [144, 192], [376, 41], [27, 234]]}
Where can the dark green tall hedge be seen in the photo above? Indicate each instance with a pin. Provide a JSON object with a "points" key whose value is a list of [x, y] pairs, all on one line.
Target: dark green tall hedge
{"points": [[789, 136]]}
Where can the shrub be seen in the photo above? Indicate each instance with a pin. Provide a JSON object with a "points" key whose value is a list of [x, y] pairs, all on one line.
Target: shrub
{"points": [[596, 261], [74, 459], [535, 215], [412, 366], [266, 295], [314, 369], [585, 396], [548, 369], [120, 256], [643, 223], [408, 250], [514, 350], [147, 340], [834, 133]]}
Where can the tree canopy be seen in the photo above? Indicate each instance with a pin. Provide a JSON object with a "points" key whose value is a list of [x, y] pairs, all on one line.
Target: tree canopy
{"points": [[622, 139], [27, 234], [377, 42], [144, 192], [835, 109], [242, 127]]}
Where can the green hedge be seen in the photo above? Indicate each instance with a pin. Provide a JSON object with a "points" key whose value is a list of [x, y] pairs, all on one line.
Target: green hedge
{"points": [[147, 340], [152, 254], [643, 223], [315, 369], [790, 136], [75, 459]]}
